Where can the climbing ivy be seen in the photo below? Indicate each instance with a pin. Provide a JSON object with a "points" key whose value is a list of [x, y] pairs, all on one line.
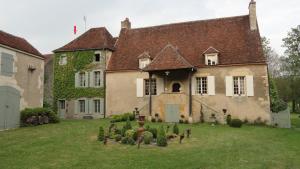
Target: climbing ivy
{"points": [[64, 76]]}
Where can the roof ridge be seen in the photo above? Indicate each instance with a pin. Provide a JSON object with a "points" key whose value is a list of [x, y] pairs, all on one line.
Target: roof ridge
{"points": [[187, 22]]}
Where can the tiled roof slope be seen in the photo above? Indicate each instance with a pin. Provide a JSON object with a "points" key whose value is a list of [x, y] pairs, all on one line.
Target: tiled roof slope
{"points": [[231, 36], [95, 38], [17, 43], [169, 58]]}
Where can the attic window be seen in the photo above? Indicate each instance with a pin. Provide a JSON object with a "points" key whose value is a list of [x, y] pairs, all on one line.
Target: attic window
{"points": [[211, 59], [63, 60], [97, 57], [143, 62]]}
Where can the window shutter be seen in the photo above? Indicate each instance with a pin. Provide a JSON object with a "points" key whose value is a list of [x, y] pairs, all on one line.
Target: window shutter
{"points": [[92, 79], [86, 105], [76, 79], [76, 106], [250, 86], [101, 106], [139, 87], [101, 78], [211, 85], [194, 86], [7, 63], [91, 106], [86, 79], [160, 85], [229, 85]]}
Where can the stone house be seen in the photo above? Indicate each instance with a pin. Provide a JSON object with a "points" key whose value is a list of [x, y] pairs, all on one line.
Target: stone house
{"points": [[21, 78], [79, 74], [198, 70]]}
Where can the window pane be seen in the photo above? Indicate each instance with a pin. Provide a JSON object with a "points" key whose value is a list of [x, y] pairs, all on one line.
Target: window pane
{"points": [[97, 106], [153, 87], [97, 79], [81, 106], [82, 79]]}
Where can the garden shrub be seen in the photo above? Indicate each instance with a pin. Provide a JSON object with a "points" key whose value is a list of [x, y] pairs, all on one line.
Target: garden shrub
{"points": [[135, 135], [130, 141], [153, 120], [124, 140], [154, 132], [129, 133], [236, 123], [128, 124], [175, 129], [148, 137], [101, 134], [147, 128], [118, 137], [117, 131], [159, 120], [181, 121], [161, 137], [30, 116], [123, 117]]}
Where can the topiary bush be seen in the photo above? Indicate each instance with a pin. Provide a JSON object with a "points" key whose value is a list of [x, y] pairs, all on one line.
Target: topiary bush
{"points": [[154, 132], [129, 133], [148, 137], [161, 137], [101, 134], [122, 117], [124, 140], [130, 141], [118, 137], [175, 129], [237, 123]]}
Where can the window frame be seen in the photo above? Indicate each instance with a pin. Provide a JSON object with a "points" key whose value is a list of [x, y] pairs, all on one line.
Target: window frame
{"points": [[240, 89], [63, 60], [147, 86], [97, 82], [100, 57], [143, 62], [80, 78], [202, 89], [97, 105], [80, 105], [211, 58]]}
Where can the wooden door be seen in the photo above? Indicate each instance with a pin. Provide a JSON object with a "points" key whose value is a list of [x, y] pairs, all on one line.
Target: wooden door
{"points": [[172, 113]]}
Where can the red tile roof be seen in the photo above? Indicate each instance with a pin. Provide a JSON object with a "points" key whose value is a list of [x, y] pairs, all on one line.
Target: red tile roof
{"points": [[231, 36], [18, 43], [167, 59], [95, 38], [210, 50]]}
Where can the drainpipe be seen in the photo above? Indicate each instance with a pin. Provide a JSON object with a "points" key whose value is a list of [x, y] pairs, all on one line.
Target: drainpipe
{"points": [[104, 85], [190, 93], [150, 93]]}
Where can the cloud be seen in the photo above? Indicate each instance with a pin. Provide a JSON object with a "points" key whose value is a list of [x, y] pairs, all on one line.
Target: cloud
{"points": [[49, 24]]}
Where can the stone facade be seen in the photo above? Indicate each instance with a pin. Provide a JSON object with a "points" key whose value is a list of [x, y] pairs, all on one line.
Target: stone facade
{"points": [[28, 83], [242, 107]]}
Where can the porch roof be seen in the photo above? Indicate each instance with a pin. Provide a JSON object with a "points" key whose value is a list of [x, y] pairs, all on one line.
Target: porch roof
{"points": [[169, 58]]}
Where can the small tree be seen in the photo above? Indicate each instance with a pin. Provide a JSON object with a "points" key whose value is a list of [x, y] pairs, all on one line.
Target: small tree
{"points": [[175, 129], [101, 134], [161, 137]]}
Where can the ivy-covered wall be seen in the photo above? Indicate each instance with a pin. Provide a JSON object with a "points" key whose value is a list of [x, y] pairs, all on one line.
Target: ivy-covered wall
{"points": [[64, 75]]}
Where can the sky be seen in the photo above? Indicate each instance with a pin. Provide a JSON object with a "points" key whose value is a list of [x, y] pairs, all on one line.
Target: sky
{"points": [[48, 24]]}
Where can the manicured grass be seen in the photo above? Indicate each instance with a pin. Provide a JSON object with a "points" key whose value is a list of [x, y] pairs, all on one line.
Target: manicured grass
{"points": [[73, 144]]}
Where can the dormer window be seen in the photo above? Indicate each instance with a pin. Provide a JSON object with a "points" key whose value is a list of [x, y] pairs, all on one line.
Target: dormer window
{"points": [[211, 56], [143, 62], [211, 59]]}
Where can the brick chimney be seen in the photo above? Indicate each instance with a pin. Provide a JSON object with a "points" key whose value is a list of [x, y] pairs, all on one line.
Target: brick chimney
{"points": [[252, 15], [126, 24]]}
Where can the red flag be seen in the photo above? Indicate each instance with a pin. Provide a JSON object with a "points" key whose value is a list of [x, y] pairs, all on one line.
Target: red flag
{"points": [[75, 30]]}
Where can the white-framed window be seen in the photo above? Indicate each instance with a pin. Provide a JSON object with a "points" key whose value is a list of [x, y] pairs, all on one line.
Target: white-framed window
{"points": [[82, 78], [153, 87], [97, 104], [63, 59], [98, 57], [97, 78], [239, 85], [143, 62], [62, 104], [211, 59], [201, 83], [81, 104]]}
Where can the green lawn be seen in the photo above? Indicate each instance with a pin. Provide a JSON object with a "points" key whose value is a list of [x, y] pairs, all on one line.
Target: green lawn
{"points": [[72, 144]]}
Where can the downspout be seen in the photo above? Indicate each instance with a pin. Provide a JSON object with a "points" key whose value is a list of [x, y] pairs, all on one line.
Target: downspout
{"points": [[104, 85], [150, 94], [190, 93]]}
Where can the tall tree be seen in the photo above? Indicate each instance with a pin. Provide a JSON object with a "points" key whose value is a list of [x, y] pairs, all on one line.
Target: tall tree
{"points": [[292, 64], [273, 59]]}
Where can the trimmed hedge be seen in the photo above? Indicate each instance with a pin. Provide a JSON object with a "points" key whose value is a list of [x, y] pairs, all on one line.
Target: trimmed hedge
{"points": [[122, 117], [36, 116], [148, 137], [237, 123]]}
